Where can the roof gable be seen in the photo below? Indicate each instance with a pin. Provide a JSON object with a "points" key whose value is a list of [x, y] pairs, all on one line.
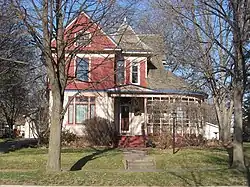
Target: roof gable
{"points": [[128, 40], [99, 40]]}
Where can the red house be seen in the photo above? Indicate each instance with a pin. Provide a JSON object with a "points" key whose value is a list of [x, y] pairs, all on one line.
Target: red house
{"points": [[121, 78]]}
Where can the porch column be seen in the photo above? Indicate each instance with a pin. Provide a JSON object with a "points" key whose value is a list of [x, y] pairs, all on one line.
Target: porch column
{"points": [[145, 116]]}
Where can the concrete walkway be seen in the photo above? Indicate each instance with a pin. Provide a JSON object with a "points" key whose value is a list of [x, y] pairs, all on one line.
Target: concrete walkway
{"points": [[12, 145], [139, 161]]}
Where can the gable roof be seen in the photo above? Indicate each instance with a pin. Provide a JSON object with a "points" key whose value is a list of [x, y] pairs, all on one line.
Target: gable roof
{"points": [[127, 39]]}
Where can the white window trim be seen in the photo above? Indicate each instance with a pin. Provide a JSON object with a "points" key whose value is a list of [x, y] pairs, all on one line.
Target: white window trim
{"points": [[89, 70], [139, 73]]}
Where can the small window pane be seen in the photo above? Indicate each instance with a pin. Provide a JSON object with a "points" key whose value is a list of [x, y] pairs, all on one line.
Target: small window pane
{"points": [[70, 114], [135, 73], [81, 113], [81, 99], [92, 99], [92, 111], [120, 71]]}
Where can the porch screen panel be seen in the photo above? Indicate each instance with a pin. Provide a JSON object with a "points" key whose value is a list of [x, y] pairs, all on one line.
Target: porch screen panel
{"points": [[81, 113]]}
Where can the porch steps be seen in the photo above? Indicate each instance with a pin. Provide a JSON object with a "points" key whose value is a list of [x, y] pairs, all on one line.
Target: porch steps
{"points": [[135, 160]]}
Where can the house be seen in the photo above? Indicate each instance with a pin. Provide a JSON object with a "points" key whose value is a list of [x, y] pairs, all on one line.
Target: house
{"points": [[121, 78]]}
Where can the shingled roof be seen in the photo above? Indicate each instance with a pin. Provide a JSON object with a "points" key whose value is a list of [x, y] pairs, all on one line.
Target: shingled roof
{"points": [[161, 79], [158, 77], [127, 39]]}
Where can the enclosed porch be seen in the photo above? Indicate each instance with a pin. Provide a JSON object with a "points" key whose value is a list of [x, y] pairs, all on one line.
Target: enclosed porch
{"points": [[141, 114]]}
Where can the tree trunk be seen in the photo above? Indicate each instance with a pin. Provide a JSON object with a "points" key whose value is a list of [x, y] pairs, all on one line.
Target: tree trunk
{"points": [[54, 154], [224, 116], [238, 155]]}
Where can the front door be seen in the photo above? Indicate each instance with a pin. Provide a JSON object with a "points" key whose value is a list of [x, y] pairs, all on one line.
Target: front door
{"points": [[124, 118]]}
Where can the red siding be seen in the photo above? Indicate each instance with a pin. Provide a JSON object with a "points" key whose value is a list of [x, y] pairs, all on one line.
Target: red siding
{"points": [[142, 74], [101, 75], [142, 78]]}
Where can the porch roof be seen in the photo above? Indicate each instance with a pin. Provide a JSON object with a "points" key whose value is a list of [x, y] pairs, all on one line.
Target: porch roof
{"points": [[131, 90]]}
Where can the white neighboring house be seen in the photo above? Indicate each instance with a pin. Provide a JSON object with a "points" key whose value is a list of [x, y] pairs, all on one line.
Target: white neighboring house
{"points": [[211, 131], [29, 128]]}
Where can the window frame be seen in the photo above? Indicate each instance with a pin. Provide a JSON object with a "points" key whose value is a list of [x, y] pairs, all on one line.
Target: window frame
{"points": [[138, 72], [87, 103], [86, 59], [120, 82]]}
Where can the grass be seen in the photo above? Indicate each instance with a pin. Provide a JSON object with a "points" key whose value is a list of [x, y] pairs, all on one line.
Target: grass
{"points": [[105, 167]]}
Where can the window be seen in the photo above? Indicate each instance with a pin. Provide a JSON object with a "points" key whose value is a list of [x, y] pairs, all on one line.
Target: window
{"points": [[82, 69], [80, 109], [70, 113], [83, 39], [135, 72], [120, 71]]}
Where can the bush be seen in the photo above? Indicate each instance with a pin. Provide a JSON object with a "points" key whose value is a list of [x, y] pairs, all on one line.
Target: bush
{"points": [[165, 140], [162, 141], [101, 132], [68, 138]]}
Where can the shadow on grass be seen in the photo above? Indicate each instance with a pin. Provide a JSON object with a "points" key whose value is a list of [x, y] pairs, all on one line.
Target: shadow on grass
{"points": [[83, 161], [13, 145]]}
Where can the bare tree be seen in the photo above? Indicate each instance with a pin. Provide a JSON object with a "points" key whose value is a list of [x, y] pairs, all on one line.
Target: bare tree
{"points": [[47, 21], [16, 53], [215, 35]]}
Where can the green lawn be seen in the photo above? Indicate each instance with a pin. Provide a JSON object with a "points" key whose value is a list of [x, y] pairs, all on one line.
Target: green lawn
{"points": [[105, 167]]}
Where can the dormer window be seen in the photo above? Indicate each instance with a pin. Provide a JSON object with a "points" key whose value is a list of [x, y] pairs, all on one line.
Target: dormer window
{"points": [[120, 70], [83, 39], [135, 74], [82, 69]]}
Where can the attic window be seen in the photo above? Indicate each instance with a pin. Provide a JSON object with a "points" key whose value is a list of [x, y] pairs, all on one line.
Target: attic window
{"points": [[83, 39]]}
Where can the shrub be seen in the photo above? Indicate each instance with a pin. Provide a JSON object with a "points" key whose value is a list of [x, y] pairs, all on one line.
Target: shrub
{"points": [[68, 138], [162, 141], [99, 131]]}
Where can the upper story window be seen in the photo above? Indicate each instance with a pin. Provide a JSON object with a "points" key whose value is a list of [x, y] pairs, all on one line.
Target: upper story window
{"points": [[120, 72], [135, 74], [83, 38], [82, 69]]}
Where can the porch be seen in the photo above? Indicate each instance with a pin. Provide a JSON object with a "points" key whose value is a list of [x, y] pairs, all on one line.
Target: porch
{"points": [[140, 114]]}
